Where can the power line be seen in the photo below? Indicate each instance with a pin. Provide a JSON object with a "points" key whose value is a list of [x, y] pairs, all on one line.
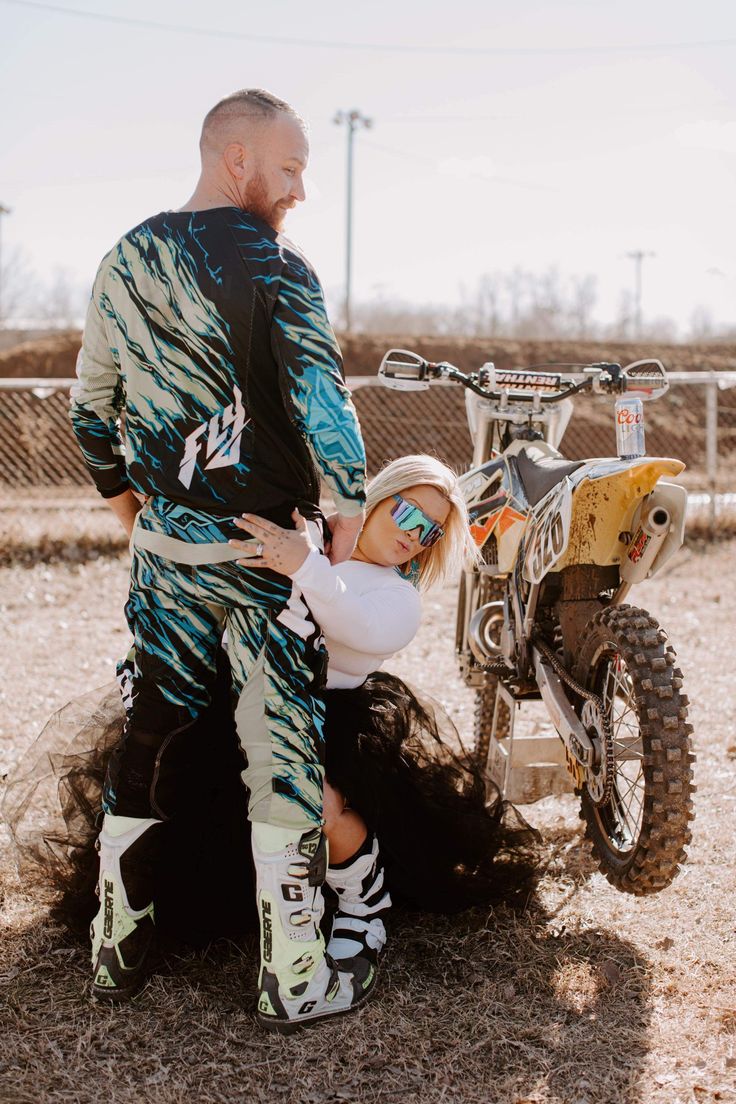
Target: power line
{"points": [[488, 179], [538, 114], [384, 47]]}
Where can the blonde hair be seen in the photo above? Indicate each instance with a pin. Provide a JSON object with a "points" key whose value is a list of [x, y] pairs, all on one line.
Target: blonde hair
{"points": [[456, 550]]}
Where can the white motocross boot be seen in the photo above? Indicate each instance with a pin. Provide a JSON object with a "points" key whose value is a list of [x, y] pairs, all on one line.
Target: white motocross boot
{"points": [[298, 984], [363, 901], [123, 929]]}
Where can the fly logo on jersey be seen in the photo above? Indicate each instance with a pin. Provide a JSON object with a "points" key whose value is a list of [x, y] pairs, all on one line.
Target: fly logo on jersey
{"points": [[223, 440]]}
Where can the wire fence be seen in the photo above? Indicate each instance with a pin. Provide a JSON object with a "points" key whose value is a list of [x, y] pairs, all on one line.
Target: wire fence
{"points": [[695, 421]]}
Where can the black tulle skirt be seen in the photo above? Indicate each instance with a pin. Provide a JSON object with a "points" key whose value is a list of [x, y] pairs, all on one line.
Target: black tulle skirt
{"points": [[397, 760]]}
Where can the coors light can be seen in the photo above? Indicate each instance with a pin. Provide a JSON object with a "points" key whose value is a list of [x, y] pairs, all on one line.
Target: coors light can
{"points": [[629, 428]]}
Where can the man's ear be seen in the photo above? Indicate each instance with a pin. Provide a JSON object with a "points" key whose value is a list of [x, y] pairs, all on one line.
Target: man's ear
{"points": [[235, 157]]}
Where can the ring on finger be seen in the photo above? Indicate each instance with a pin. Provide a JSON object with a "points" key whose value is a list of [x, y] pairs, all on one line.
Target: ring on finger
{"points": [[259, 549]]}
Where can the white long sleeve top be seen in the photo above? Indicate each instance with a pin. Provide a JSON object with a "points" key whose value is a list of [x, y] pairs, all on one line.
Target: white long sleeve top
{"points": [[366, 612]]}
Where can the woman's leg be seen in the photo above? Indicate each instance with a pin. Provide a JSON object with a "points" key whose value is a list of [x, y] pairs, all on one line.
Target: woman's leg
{"points": [[346, 831], [355, 874]]}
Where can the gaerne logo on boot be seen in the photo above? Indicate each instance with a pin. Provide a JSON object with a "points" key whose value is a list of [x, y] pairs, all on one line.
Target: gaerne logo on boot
{"points": [[267, 927], [109, 899]]}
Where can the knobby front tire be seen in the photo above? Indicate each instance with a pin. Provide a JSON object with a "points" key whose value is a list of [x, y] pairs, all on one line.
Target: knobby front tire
{"points": [[640, 834]]}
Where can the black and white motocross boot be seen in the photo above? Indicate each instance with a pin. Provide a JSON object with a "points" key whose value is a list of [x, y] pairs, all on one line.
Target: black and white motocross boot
{"points": [[123, 929], [358, 928]]}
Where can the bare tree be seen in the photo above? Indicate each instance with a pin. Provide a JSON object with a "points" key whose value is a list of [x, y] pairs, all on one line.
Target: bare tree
{"points": [[702, 327], [517, 304], [584, 298], [624, 323], [62, 301], [19, 285], [662, 329]]}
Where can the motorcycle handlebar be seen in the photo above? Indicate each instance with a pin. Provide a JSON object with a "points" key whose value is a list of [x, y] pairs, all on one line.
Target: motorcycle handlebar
{"points": [[474, 382], [408, 371]]}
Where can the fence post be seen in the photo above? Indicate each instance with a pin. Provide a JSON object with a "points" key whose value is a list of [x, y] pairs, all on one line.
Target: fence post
{"points": [[711, 445]]}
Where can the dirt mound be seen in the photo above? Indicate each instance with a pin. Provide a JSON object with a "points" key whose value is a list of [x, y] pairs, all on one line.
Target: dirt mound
{"points": [[363, 352], [52, 357], [56, 356]]}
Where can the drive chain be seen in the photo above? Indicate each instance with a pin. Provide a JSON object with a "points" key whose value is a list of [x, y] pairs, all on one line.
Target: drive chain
{"points": [[496, 667]]}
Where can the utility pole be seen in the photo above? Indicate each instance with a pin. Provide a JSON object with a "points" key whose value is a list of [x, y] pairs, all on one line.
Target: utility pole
{"points": [[3, 211], [353, 119], [638, 256]]}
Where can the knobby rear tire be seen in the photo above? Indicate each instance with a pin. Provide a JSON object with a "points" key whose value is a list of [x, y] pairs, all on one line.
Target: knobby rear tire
{"points": [[623, 656]]}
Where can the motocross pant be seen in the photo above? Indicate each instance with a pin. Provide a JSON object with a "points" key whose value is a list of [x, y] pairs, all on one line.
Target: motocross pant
{"points": [[177, 613]]}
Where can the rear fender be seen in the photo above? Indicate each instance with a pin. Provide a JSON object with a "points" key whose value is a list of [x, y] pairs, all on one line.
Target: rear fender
{"points": [[607, 498]]}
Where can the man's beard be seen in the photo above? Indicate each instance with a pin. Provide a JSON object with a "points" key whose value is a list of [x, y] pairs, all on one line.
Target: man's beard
{"points": [[255, 200]]}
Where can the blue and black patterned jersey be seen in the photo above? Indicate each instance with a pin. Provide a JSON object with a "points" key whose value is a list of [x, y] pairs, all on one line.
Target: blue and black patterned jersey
{"points": [[207, 332]]}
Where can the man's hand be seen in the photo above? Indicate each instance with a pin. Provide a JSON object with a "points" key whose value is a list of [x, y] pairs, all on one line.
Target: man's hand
{"points": [[345, 533], [125, 506]]}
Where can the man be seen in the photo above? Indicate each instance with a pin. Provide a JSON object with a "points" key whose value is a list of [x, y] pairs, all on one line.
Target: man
{"points": [[207, 330]]}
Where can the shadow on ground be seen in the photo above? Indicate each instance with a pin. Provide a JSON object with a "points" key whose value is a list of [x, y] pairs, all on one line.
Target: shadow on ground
{"points": [[477, 1007]]}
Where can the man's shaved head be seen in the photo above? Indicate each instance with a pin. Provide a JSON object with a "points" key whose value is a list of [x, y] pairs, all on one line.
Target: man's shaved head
{"points": [[240, 117], [255, 150]]}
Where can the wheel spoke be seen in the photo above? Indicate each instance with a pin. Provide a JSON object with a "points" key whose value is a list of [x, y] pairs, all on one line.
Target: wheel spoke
{"points": [[626, 805], [628, 748], [633, 787]]}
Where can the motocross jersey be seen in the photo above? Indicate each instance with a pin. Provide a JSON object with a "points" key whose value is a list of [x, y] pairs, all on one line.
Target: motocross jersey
{"points": [[207, 334]]}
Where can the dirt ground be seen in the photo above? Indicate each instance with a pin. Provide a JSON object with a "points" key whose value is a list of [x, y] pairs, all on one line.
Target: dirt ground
{"points": [[589, 997]]}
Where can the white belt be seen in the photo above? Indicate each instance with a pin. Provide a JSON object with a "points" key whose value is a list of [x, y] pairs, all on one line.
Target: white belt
{"points": [[187, 552]]}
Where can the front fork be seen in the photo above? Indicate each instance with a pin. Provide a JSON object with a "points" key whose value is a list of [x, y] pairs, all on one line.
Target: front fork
{"points": [[520, 611]]}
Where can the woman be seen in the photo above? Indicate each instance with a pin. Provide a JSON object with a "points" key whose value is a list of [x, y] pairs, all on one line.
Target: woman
{"points": [[393, 777]]}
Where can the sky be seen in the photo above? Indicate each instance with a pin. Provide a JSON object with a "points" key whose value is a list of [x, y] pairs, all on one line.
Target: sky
{"points": [[526, 134]]}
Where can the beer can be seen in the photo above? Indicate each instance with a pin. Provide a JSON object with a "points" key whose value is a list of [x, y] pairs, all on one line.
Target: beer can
{"points": [[629, 428]]}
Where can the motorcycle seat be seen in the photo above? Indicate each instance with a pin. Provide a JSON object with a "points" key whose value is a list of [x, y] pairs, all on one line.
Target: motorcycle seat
{"points": [[540, 476]]}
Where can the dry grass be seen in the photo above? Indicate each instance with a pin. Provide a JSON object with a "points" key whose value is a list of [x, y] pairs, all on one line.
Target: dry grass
{"points": [[476, 1009], [590, 996], [47, 525]]}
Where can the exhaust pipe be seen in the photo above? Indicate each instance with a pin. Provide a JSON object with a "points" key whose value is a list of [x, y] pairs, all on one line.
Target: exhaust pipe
{"points": [[643, 549], [486, 623]]}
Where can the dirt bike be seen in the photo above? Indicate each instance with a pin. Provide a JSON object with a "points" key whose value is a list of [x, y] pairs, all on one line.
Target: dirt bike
{"points": [[541, 615]]}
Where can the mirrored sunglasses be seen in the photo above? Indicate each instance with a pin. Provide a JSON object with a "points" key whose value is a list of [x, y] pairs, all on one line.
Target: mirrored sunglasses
{"points": [[409, 517]]}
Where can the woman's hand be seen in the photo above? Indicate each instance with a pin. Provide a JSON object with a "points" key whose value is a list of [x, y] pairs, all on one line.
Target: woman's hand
{"points": [[344, 537], [282, 550]]}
